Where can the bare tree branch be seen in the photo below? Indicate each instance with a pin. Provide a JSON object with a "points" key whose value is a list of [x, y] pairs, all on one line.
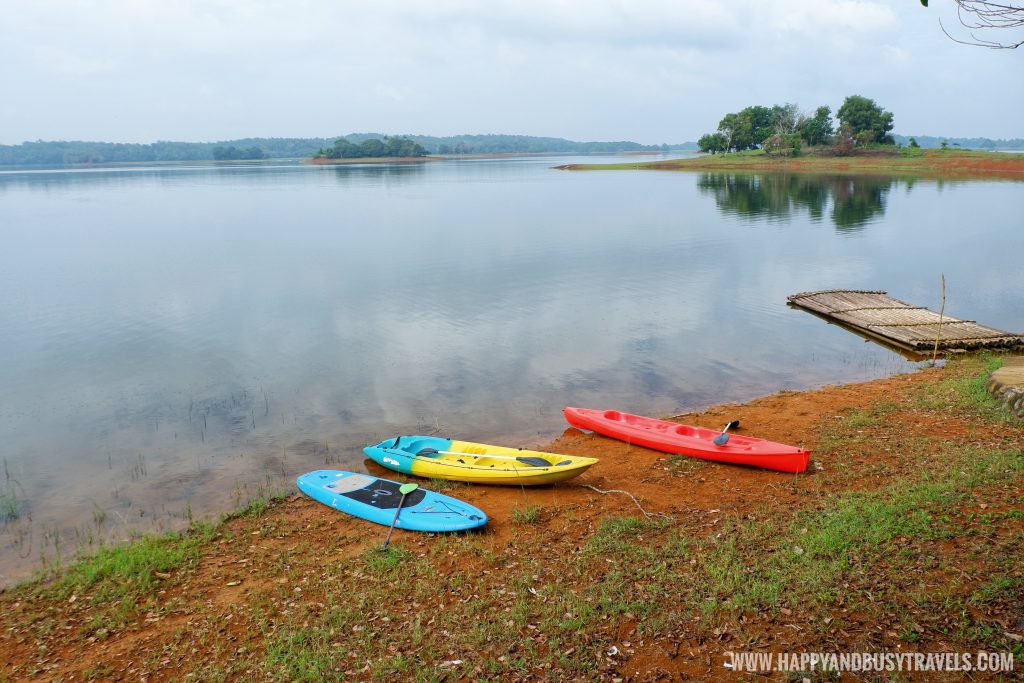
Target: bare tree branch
{"points": [[983, 15]]}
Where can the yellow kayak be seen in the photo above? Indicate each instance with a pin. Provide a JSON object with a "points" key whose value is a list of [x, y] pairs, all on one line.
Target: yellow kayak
{"points": [[480, 463]]}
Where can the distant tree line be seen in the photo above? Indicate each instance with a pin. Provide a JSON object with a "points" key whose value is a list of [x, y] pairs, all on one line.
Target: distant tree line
{"points": [[231, 153], [389, 147], [783, 129], [528, 144], [59, 153], [932, 142]]}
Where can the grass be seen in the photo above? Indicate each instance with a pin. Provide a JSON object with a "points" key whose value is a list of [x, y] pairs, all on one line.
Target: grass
{"points": [[254, 507], [526, 515], [10, 507], [684, 464], [967, 392], [120, 582], [759, 567]]}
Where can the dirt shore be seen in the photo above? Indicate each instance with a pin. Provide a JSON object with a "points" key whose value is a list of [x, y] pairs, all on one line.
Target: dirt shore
{"points": [[905, 535], [930, 163]]}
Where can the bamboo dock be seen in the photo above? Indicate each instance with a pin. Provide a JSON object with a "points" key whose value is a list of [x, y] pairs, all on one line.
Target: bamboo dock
{"points": [[912, 328]]}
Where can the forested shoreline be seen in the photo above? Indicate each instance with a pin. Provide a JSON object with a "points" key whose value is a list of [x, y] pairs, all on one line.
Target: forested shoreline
{"points": [[76, 152]]}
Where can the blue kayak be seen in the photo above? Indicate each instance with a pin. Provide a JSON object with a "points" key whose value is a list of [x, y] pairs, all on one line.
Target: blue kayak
{"points": [[375, 499]]}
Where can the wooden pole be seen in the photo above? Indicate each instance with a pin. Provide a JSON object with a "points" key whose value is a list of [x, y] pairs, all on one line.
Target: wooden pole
{"points": [[938, 329]]}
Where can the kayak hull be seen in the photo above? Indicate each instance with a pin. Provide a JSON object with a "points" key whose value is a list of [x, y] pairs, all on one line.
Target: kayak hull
{"points": [[478, 463], [696, 442], [376, 500]]}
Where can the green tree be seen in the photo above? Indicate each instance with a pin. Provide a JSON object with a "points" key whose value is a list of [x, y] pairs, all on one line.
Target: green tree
{"points": [[817, 130], [736, 132], [371, 148], [712, 142], [762, 123], [402, 147], [787, 145], [913, 143], [863, 116], [786, 119]]}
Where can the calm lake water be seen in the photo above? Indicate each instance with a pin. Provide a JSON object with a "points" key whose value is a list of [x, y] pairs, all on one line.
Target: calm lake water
{"points": [[175, 340]]}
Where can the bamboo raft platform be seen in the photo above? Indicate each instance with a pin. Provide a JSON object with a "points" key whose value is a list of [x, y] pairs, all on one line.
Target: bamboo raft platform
{"points": [[897, 323]]}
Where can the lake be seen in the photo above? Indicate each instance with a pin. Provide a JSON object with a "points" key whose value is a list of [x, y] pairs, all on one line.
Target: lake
{"points": [[175, 340]]}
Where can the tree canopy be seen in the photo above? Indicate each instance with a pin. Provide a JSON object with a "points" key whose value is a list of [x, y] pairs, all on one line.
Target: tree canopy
{"points": [[783, 129], [389, 147], [865, 120], [231, 153]]}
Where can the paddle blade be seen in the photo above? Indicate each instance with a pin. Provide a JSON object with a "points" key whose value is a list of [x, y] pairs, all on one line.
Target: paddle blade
{"points": [[428, 451], [406, 489], [723, 438]]}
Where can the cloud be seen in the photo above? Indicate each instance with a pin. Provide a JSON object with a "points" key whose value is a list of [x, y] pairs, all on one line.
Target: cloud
{"points": [[650, 70]]}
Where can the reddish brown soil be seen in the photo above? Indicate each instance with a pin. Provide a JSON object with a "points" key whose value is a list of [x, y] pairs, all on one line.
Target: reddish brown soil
{"points": [[932, 164]]}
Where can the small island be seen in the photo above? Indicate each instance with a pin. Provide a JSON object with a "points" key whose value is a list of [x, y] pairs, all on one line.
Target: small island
{"points": [[389, 149], [782, 139]]}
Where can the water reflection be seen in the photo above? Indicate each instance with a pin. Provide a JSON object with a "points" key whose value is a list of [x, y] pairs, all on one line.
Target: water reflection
{"points": [[130, 177], [279, 174], [363, 172], [851, 202]]}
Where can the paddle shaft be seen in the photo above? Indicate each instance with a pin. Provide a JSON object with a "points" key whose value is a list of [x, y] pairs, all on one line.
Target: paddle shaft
{"points": [[473, 455], [394, 520]]}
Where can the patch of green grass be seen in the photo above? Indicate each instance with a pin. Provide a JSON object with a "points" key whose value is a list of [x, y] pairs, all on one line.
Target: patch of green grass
{"points": [[869, 417], [760, 567], [684, 464], [862, 418], [444, 485], [118, 582], [963, 388], [997, 588], [383, 562], [127, 570], [527, 515], [10, 507], [256, 506], [622, 534], [303, 654]]}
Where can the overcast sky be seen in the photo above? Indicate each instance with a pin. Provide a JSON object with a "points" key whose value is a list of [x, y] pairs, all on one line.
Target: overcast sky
{"points": [[646, 70]]}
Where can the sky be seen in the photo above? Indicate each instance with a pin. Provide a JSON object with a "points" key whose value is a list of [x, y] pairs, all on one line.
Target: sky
{"points": [[651, 71]]}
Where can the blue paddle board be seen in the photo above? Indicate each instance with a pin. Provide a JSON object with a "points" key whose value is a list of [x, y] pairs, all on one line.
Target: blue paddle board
{"points": [[375, 499]]}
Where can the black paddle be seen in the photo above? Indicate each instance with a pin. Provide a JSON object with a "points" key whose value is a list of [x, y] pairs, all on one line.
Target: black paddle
{"points": [[404, 489], [723, 438], [525, 459]]}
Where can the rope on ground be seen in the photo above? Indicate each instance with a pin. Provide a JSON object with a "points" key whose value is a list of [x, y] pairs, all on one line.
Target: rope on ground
{"points": [[647, 514]]}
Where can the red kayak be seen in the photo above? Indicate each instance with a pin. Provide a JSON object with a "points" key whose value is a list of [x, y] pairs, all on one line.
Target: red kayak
{"points": [[697, 442]]}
